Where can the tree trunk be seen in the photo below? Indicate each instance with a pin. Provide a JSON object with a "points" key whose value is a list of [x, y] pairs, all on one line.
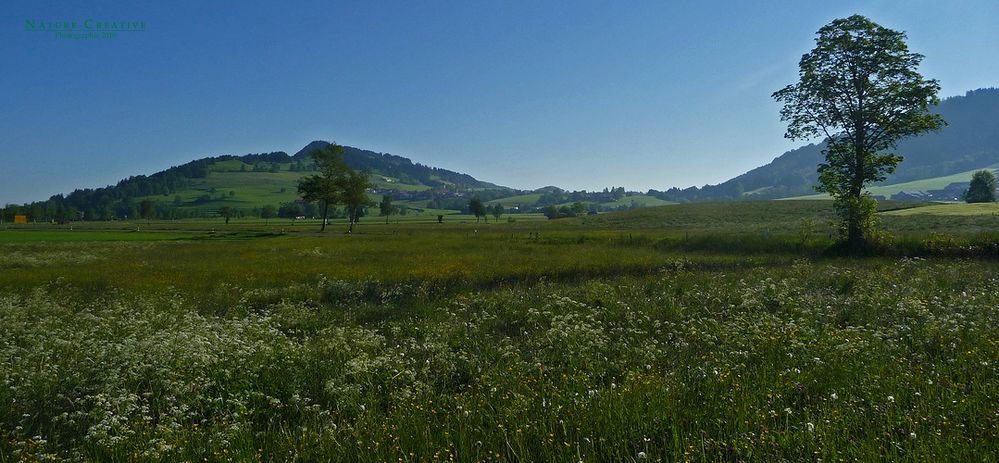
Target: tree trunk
{"points": [[855, 236], [855, 233], [326, 208]]}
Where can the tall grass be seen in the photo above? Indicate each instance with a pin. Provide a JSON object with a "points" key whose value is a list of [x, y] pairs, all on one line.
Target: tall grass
{"points": [[880, 359]]}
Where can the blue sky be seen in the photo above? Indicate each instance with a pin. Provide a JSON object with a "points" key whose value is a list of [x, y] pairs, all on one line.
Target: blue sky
{"points": [[581, 95]]}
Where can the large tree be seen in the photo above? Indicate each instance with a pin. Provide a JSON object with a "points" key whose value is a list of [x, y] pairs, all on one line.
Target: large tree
{"points": [[982, 188], [860, 91]]}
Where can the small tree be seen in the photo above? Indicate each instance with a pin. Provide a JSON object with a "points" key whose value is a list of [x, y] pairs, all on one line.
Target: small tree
{"points": [[858, 89], [326, 187], [497, 210], [147, 209], [982, 188], [355, 196], [385, 208], [226, 212], [268, 212], [477, 208]]}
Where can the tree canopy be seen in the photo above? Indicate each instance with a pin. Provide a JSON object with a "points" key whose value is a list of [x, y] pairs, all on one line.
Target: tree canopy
{"points": [[335, 184], [477, 208], [386, 208], [982, 188], [859, 89]]}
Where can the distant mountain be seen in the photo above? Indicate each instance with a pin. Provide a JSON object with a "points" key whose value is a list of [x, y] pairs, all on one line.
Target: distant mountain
{"points": [[970, 141]]}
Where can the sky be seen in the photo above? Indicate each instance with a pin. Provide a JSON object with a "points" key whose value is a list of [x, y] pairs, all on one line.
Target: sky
{"points": [[581, 94]]}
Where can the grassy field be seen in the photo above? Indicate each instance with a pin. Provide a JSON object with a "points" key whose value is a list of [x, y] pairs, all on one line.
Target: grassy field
{"points": [[248, 190], [518, 200], [954, 209], [710, 332]]}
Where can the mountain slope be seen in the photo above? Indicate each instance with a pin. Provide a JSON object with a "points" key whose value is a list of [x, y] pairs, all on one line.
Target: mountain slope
{"points": [[398, 167], [970, 141]]}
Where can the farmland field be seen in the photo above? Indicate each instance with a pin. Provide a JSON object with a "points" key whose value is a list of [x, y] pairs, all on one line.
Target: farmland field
{"points": [[710, 332], [934, 183]]}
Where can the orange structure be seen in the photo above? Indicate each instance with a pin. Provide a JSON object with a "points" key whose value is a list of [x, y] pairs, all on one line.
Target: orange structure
{"points": [[20, 219]]}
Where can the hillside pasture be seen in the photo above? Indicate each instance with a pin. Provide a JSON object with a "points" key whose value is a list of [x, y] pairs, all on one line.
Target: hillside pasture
{"points": [[915, 186]]}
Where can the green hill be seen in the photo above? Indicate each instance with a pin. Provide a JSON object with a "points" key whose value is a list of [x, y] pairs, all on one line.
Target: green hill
{"points": [[249, 183], [260, 184]]}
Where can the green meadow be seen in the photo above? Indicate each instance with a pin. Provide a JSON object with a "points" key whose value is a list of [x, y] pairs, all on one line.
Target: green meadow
{"points": [[707, 332], [933, 183]]}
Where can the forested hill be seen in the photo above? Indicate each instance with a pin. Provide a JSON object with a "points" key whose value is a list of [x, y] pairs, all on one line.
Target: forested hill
{"points": [[396, 166], [196, 187], [970, 141]]}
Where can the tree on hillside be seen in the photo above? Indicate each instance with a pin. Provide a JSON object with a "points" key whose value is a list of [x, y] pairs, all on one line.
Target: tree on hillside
{"points": [[982, 188], [477, 208], [497, 211], [385, 208], [858, 89], [147, 209]]}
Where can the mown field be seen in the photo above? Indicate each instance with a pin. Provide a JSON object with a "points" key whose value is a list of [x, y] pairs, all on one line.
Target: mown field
{"points": [[717, 332]]}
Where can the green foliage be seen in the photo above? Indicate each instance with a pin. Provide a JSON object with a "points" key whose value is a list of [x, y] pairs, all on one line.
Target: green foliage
{"points": [[860, 91], [355, 186], [386, 208], [497, 210], [982, 188], [147, 209], [477, 208], [226, 212], [335, 184]]}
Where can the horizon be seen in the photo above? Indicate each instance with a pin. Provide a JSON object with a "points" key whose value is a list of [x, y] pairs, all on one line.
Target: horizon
{"points": [[519, 95]]}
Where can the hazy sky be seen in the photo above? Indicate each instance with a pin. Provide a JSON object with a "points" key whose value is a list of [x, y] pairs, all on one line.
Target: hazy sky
{"points": [[581, 95]]}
